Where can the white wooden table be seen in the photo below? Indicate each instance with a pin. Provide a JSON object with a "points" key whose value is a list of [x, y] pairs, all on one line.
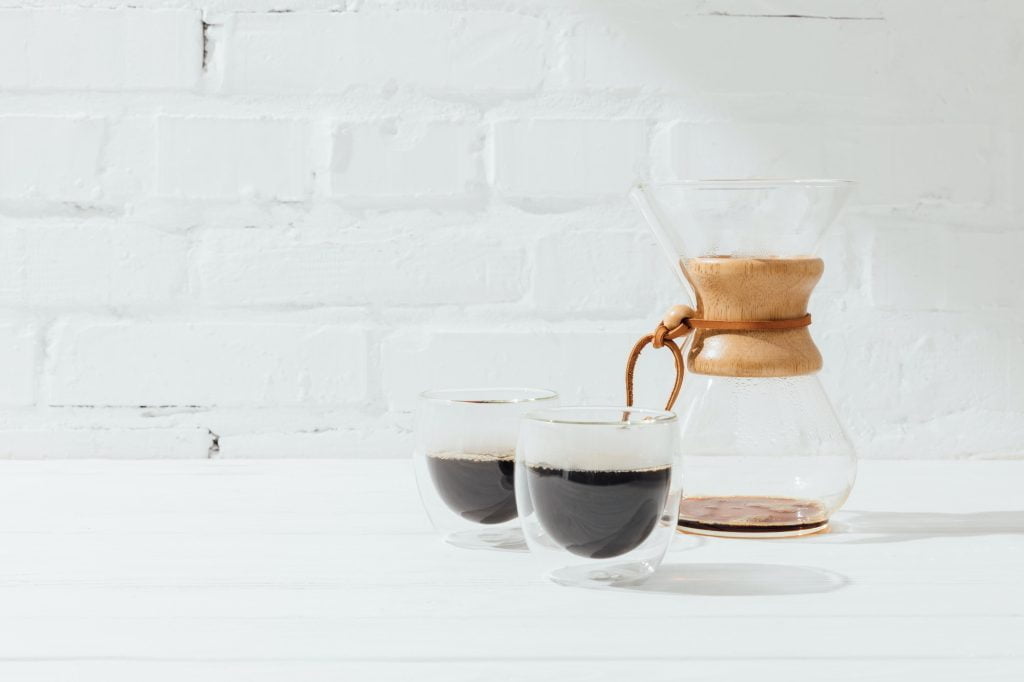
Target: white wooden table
{"points": [[328, 570]]}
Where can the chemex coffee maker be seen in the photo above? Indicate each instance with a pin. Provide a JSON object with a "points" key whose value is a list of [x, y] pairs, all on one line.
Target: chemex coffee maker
{"points": [[764, 454]]}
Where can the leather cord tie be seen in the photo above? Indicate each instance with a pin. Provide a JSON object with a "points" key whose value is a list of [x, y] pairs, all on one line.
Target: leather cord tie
{"points": [[665, 337]]}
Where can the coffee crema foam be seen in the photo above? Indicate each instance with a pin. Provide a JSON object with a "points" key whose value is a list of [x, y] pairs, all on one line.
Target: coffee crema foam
{"points": [[576, 460], [595, 470], [473, 456]]}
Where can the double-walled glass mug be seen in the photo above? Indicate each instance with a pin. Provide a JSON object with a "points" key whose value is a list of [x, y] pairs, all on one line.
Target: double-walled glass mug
{"points": [[465, 461], [598, 491]]}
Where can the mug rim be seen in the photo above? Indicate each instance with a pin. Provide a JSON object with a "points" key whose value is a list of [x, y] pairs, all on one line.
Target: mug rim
{"points": [[564, 415]]}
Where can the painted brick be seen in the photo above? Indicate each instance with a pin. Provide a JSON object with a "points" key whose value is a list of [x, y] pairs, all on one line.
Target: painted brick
{"points": [[893, 164], [996, 277], [987, 434], [730, 150], [233, 158], [460, 172], [375, 441], [979, 62], [51, 158], [332, 52], [971, 360], [568, 158], [603, 273], [99, 362], [891, 407], [17, 364], [668, 48], [73, 48], [921, 266], [386, 267], [902, 283], [91, 265], [1015, 176], [391, 161], [104, 442], [129, 158], [906, 164]]}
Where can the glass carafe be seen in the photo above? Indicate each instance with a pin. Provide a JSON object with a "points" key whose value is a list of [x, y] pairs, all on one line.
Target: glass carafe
{"points": [[764, 454]]}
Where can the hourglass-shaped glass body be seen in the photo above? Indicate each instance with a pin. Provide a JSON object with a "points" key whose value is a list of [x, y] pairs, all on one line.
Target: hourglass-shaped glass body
{"points": [[763, 451]]}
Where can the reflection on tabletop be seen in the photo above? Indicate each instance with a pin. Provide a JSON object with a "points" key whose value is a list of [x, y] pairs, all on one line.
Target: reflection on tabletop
{"points": [[904, 526], [733, 579]]}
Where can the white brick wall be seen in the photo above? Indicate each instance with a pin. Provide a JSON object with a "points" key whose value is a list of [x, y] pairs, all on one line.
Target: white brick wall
{"points": [[97, 49], [379, 266], [233, 158], [257, 229], [394, 162], [60, 264], [381, 47], [117, 363], [18, 364], [51, 158], [584, 158]]}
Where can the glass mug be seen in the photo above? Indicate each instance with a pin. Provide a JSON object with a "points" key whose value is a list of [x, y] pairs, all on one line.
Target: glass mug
{"points": [[465, 458], [597, 490]]}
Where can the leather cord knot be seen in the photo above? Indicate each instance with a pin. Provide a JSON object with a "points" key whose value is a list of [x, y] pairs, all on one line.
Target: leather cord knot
{"points": [[663, 333], [682, 323]]}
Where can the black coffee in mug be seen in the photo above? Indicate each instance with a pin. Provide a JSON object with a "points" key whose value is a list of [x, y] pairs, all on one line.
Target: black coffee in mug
{"points": [[598, 514], [477, 487]]}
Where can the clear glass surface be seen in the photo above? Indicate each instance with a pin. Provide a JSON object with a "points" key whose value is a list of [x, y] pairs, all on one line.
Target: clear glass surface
{"points": [[752, 218], [762, 456], [598, 492], [464, 461]]}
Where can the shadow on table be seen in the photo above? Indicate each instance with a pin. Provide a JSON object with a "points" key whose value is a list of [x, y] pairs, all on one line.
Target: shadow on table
{"points": [[884, 527], [741, 580]]}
